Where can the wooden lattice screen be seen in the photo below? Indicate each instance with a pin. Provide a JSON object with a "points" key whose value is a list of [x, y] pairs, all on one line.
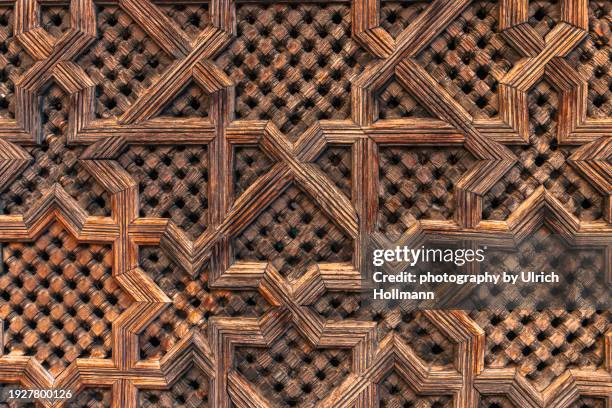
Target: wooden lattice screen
{"points": [[188, 191]]}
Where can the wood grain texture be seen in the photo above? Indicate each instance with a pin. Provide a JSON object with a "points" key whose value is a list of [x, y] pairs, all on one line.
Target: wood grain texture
{"points": [[189, 192]]}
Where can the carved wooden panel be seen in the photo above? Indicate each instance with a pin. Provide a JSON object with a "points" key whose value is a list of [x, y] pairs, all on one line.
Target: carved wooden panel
{"points": [[189, 191]]}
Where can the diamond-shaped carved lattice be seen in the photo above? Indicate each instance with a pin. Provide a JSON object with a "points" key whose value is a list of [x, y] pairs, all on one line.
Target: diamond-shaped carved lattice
{"points": [[543, 250], [193, 303], [589, 402], [292, 234], [91, 398], [395, 16], [249, 164], [191, 18], [543, 345], [394, 391], [593, 59], [55, 19], [470, 58], [14, 61], [123, 62], [418, 183], [191, 390], [58, 299], [395, 102], [494, 401], [192, 102], [293, 64], [544, 15], [337, 163], [173, 183], [291, 372]]}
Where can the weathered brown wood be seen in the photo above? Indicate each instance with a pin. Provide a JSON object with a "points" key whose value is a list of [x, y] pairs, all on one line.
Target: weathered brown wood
{"points": [[190, 193]]}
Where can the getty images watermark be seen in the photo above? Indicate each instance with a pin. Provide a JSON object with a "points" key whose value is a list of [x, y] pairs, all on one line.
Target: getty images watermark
{"points": [[485, 276]]}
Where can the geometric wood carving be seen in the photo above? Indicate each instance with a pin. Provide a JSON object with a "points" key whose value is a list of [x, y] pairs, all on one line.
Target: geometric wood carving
{"points": [[188, 191]]}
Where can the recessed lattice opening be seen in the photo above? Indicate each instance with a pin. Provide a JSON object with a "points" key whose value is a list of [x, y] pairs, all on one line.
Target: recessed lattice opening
{"points": [[418, 183], [293, 234], [593, 59], [394, 391], [190, 390], [173, 183], [395, 16], [54, 163], [293, 63], [336, 162], [426, 339], [191, 18], [14, 61], [191, 102], [55, 19], [250, 163], [291, 372], [544, 15], [58, 299], [589, 402], [123, 62], [542, 163], [470, 58], [495, 401], [193, 303], [91, 398], [395, 102]]}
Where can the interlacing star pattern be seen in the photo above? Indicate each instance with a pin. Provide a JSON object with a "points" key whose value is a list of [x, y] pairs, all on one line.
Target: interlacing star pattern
{"points": [[188, 191]]}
